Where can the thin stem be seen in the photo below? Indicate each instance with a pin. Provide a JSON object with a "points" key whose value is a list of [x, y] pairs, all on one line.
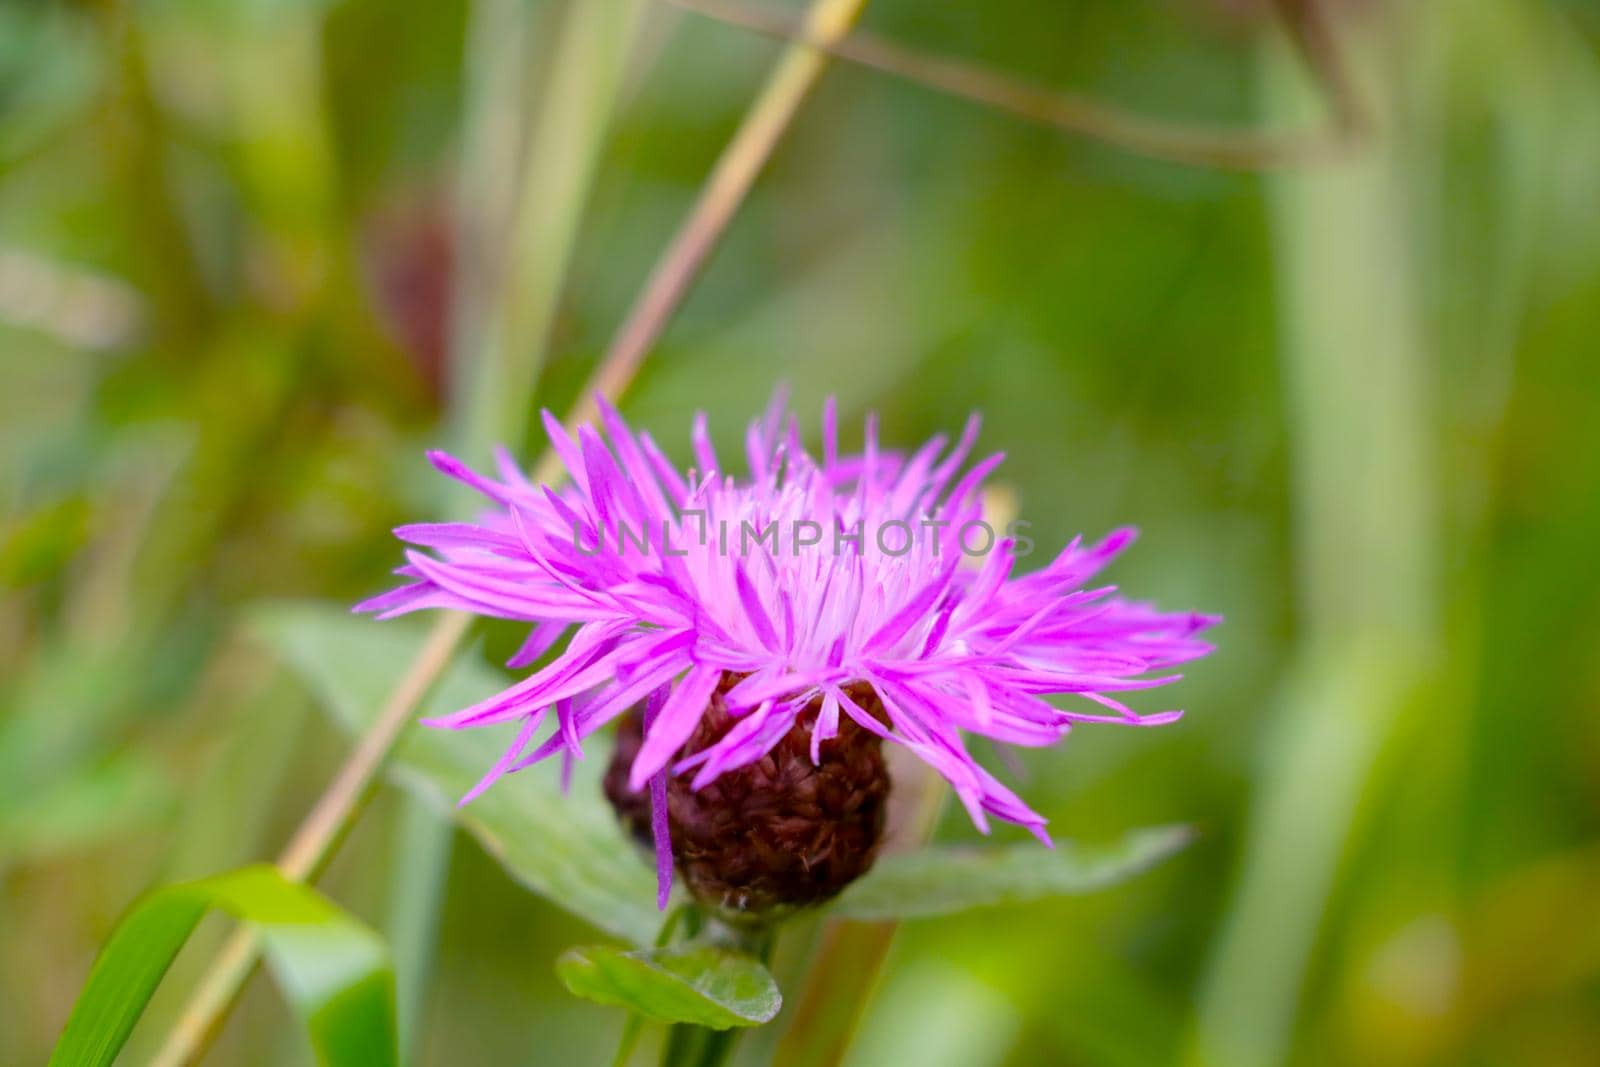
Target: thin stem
{"points": [[313, 844], [842, 978], [505, 330], [766, 943], [697, 1046], [630, 1038], [735, 172], [670, 925], [717, 1046], [849, 961], [635, 1023], [1175, 142]]}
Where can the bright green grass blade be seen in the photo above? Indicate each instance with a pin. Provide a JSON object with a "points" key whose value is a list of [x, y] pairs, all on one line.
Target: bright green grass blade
{"points": [[334, 971]]}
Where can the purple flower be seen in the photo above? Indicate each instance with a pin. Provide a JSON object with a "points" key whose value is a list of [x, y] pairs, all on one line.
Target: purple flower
{"points": [[782, 594]]}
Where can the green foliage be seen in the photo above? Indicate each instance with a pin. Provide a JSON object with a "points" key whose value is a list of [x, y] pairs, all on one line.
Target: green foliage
{"points": [[566, 848], [334, 971], [697, 984], [945, 880], [219, 217]]}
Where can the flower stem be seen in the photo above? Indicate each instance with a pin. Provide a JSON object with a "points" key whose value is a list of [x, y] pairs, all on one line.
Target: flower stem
{"points": [[631, 1029], [849, 960], [843, 975], [730, 180], [630, 1037], [697, 1046], [1177, 142]]}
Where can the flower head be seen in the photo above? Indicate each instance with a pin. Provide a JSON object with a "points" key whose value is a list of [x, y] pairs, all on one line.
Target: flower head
{"points": [[819, 598]]}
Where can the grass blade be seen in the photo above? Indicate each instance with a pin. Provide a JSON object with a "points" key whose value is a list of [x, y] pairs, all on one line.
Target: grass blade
{"points": [[334, 971]]}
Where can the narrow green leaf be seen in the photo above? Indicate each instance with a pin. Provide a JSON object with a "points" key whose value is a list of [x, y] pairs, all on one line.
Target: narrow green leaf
{"points": [[704, 985], [334, 971], [943, 880], [567, 848]]}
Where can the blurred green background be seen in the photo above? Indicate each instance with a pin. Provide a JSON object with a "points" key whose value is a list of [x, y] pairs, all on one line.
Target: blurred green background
{"points": [[1355, 408]]}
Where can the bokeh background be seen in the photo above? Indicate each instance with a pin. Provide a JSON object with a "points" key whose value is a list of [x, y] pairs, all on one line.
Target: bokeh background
{"points": [[1353, 407]]}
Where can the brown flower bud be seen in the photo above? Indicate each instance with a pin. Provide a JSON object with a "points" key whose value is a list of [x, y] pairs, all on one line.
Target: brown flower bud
{"points": [[779, 834]]}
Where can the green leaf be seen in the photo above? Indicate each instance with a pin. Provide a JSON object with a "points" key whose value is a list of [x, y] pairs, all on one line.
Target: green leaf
{"points": [[943, 880], [567, 848], [334, 971], [704, 985]]}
